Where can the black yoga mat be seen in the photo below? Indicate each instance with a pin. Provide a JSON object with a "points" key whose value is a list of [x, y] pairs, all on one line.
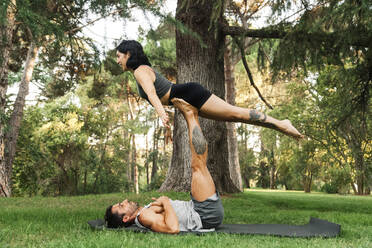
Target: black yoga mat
{"points": [[315, 228]]}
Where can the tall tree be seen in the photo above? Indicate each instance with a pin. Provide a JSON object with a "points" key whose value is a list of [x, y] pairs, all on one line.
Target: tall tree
{"points": [[17, 114], [32, 28], [242, 13], [7, 19], [48, 22], [200, 61], [319, 36], [231, 131]]}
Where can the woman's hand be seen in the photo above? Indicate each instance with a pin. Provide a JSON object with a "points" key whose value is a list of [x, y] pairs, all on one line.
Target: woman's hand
{"points": [[165, 120]]}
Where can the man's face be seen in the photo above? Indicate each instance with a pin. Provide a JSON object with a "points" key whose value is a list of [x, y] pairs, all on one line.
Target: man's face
{"points": [[125, 207], [121, 59]]}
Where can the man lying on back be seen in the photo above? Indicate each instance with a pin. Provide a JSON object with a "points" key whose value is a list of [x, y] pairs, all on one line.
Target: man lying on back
{"points": [[203, 211]]}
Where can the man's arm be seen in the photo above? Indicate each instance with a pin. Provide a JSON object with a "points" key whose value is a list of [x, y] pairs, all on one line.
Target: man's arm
{"points": [[165, 222]]}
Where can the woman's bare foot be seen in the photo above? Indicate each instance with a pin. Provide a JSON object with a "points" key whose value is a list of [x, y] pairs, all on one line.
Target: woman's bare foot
{"points": [[287, 128], [184, 107]]}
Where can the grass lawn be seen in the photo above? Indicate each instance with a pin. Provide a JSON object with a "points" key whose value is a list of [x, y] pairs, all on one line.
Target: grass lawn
{"points": [[61, 221]]}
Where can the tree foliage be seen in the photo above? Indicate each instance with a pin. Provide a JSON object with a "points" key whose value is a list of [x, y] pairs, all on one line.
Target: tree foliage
{"points": [[82, 142]]}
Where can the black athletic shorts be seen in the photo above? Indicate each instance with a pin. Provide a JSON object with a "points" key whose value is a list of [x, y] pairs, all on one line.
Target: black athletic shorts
{"points": [[211, 211], [193, 93]]}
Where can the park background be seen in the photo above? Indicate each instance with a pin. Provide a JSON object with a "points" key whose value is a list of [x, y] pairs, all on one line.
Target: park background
{"points": [[75, 136], [85, 130]]}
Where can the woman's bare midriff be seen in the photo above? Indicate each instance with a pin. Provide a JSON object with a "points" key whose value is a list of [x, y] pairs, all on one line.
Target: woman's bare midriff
{"points": [[165, 99]]}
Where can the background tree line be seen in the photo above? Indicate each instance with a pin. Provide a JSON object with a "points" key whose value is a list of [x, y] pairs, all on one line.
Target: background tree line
{"points": [[85, 134]]}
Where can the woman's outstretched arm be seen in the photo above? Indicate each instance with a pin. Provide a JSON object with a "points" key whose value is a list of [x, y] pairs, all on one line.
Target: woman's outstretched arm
{"points": [[146, 78]]}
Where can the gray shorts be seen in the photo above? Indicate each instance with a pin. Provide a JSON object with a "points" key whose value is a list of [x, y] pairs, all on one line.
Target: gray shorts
{"points": [[211, 211]]}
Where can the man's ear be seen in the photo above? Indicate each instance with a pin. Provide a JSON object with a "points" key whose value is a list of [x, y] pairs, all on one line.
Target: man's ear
{"points": [[127, 218]]}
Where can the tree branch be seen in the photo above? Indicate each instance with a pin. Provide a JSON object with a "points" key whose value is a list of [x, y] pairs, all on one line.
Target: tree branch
{"points": [[254, 33], [357, 37], [242, 53], [93, 21]]}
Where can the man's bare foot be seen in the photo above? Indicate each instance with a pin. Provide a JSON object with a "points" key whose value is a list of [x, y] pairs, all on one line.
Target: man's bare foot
{"points": [[184, 107], [287, 128]]}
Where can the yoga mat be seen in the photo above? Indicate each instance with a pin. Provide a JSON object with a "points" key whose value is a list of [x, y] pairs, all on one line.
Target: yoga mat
{"points": [[315, 228]]}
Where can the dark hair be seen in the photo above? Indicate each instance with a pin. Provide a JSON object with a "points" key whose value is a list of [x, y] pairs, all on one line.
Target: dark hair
{"points": [[114, 220], [137, 55]]}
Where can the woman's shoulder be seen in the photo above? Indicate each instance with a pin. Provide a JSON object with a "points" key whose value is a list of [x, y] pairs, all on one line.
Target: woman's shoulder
{"points": [[144, 68], [144, 71]]}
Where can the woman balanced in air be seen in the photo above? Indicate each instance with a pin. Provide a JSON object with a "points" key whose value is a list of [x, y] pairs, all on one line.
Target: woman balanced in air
{"points": [[159, 91]]}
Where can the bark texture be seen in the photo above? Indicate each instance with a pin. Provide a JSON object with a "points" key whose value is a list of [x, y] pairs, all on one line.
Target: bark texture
{"points": [[204, 64], [232, 141], [17, 115], [6, 32], [155, 148], [134, 165]]}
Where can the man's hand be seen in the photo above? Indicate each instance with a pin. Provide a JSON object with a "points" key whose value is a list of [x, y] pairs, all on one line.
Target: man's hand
{"points": [[165, 221], [159, 201], [157, 206]]}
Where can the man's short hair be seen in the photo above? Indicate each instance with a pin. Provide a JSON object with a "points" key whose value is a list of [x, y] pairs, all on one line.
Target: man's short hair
{"points": [[114, 220]]}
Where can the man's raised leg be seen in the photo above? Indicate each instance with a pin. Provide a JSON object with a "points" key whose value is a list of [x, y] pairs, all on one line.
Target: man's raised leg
{"points": [[202, 185]]}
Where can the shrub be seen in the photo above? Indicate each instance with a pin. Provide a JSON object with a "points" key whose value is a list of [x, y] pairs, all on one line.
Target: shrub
{"points": [[329, 188]]}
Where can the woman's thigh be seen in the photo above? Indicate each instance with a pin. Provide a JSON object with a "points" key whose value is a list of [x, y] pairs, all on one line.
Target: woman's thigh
{"points": [[217, 109], [193, 93]]}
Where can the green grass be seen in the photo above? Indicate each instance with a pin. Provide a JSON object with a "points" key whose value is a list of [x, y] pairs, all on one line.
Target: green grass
{"points": [[61, 221]]}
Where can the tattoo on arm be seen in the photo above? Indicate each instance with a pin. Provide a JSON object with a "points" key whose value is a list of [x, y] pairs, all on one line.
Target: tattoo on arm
{"points": [[198, 141]]}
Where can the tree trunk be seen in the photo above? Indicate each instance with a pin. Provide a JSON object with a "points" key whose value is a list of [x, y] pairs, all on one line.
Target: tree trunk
{"points": [[307, 182], [361, 170], [354, 188], [272, 170], [155, 146], [354, 136], [66, 183], [204, 64], [246, 181], [232, 141], [132, 150], [367, 191], [101, 164], [147, 161], [85, 181], [17, 115], [129, 167], [6, 33], [134, 165], [76, 176]]}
